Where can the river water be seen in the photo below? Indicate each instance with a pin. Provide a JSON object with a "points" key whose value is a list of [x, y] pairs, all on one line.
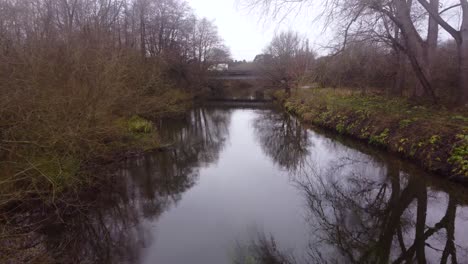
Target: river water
{"points": [[239, 184]]}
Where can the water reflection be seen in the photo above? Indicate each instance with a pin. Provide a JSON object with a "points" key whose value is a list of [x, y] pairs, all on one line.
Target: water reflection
{"points": [[110, 224], [398, 219], [283, 138], [186, 203], [197, 140], [199, 136], [362, 209]]}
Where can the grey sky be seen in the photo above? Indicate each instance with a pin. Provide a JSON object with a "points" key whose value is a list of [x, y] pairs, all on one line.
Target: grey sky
{"points": [[246, 34]]}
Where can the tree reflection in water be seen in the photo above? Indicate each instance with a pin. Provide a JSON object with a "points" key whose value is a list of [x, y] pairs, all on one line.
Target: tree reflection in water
{"points": [[362, 210], [372, 221], [112, 226], [283, 139]]}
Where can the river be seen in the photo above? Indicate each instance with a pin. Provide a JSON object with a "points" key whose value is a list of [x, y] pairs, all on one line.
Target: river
{"points": [[237, 183]]}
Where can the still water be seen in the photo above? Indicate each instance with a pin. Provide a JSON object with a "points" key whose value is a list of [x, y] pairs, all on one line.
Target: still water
{"points": [[237, 181]]}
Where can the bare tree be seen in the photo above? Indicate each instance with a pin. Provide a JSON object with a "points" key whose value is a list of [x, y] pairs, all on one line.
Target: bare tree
{"points": [[461, 38], [404, 16], [286, 59], [71, 69]]}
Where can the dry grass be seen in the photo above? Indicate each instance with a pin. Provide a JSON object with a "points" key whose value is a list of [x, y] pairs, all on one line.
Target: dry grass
{"points": [[61, 107]]}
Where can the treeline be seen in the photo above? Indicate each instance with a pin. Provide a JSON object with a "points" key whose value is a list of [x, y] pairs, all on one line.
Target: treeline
{"points": [[376, 67], [392, 45], [287, 61], [75, 75]]}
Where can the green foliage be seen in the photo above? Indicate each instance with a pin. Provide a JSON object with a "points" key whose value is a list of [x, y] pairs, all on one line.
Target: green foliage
{"points": [[365, 132], [289, 106], [459, 156], [402, 143], [406, 122], [380, 139], [340, 128], [324, 116], [431, 141], [301, 109], [59, 172], [460, 118], [434, 139], [352, 126], [363, 114], [137, 124]]}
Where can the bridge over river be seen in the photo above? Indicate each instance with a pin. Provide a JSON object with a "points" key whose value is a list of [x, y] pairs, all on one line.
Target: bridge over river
{"points": [[236, 75], [239, 86]]}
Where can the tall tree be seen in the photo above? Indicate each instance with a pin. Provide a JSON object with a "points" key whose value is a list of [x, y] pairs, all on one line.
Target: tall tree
{"points": [[402, 13], [286, 59], [461, 38]]}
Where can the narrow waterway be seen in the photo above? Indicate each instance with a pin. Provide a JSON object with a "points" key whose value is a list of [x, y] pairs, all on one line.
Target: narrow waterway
{"points": [[236, 179]]}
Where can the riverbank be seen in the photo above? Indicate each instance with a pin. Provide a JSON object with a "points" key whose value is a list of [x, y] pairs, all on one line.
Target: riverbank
{"points": [[437, 139], [48, 157], [56, 167]]}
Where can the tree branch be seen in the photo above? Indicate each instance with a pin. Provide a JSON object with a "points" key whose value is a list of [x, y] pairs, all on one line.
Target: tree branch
{"points": [[448, 8], [452, 31]]}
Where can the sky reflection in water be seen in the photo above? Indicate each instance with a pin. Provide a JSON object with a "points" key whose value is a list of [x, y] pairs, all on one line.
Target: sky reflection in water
{"points": [[236, 175]]}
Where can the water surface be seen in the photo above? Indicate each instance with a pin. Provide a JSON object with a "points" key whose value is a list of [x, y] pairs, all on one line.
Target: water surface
{"points": [[234, 175]]}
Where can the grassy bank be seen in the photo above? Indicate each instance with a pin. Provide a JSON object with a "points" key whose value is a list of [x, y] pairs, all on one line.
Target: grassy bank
{"points": [[437, 139]]}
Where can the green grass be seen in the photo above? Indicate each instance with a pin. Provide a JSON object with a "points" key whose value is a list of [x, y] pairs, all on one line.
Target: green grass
{"points": [[376, 104], [434, 137]]}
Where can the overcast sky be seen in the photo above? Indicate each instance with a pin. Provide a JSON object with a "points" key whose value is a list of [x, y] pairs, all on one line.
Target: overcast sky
{"points": [[246, 34]]}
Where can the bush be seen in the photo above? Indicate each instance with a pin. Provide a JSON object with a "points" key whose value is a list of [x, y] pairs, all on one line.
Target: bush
{"points": [[137, 124]]}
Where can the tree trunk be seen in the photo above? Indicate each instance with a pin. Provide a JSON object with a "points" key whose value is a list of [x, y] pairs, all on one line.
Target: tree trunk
{"points": [[432, 37], [462, 98], [416, 50], [142, 29], [400, 76], [421, 215], [450, 216]]}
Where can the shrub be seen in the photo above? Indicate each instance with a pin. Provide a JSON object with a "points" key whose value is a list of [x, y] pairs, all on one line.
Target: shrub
{"points": [[138, 124]]}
